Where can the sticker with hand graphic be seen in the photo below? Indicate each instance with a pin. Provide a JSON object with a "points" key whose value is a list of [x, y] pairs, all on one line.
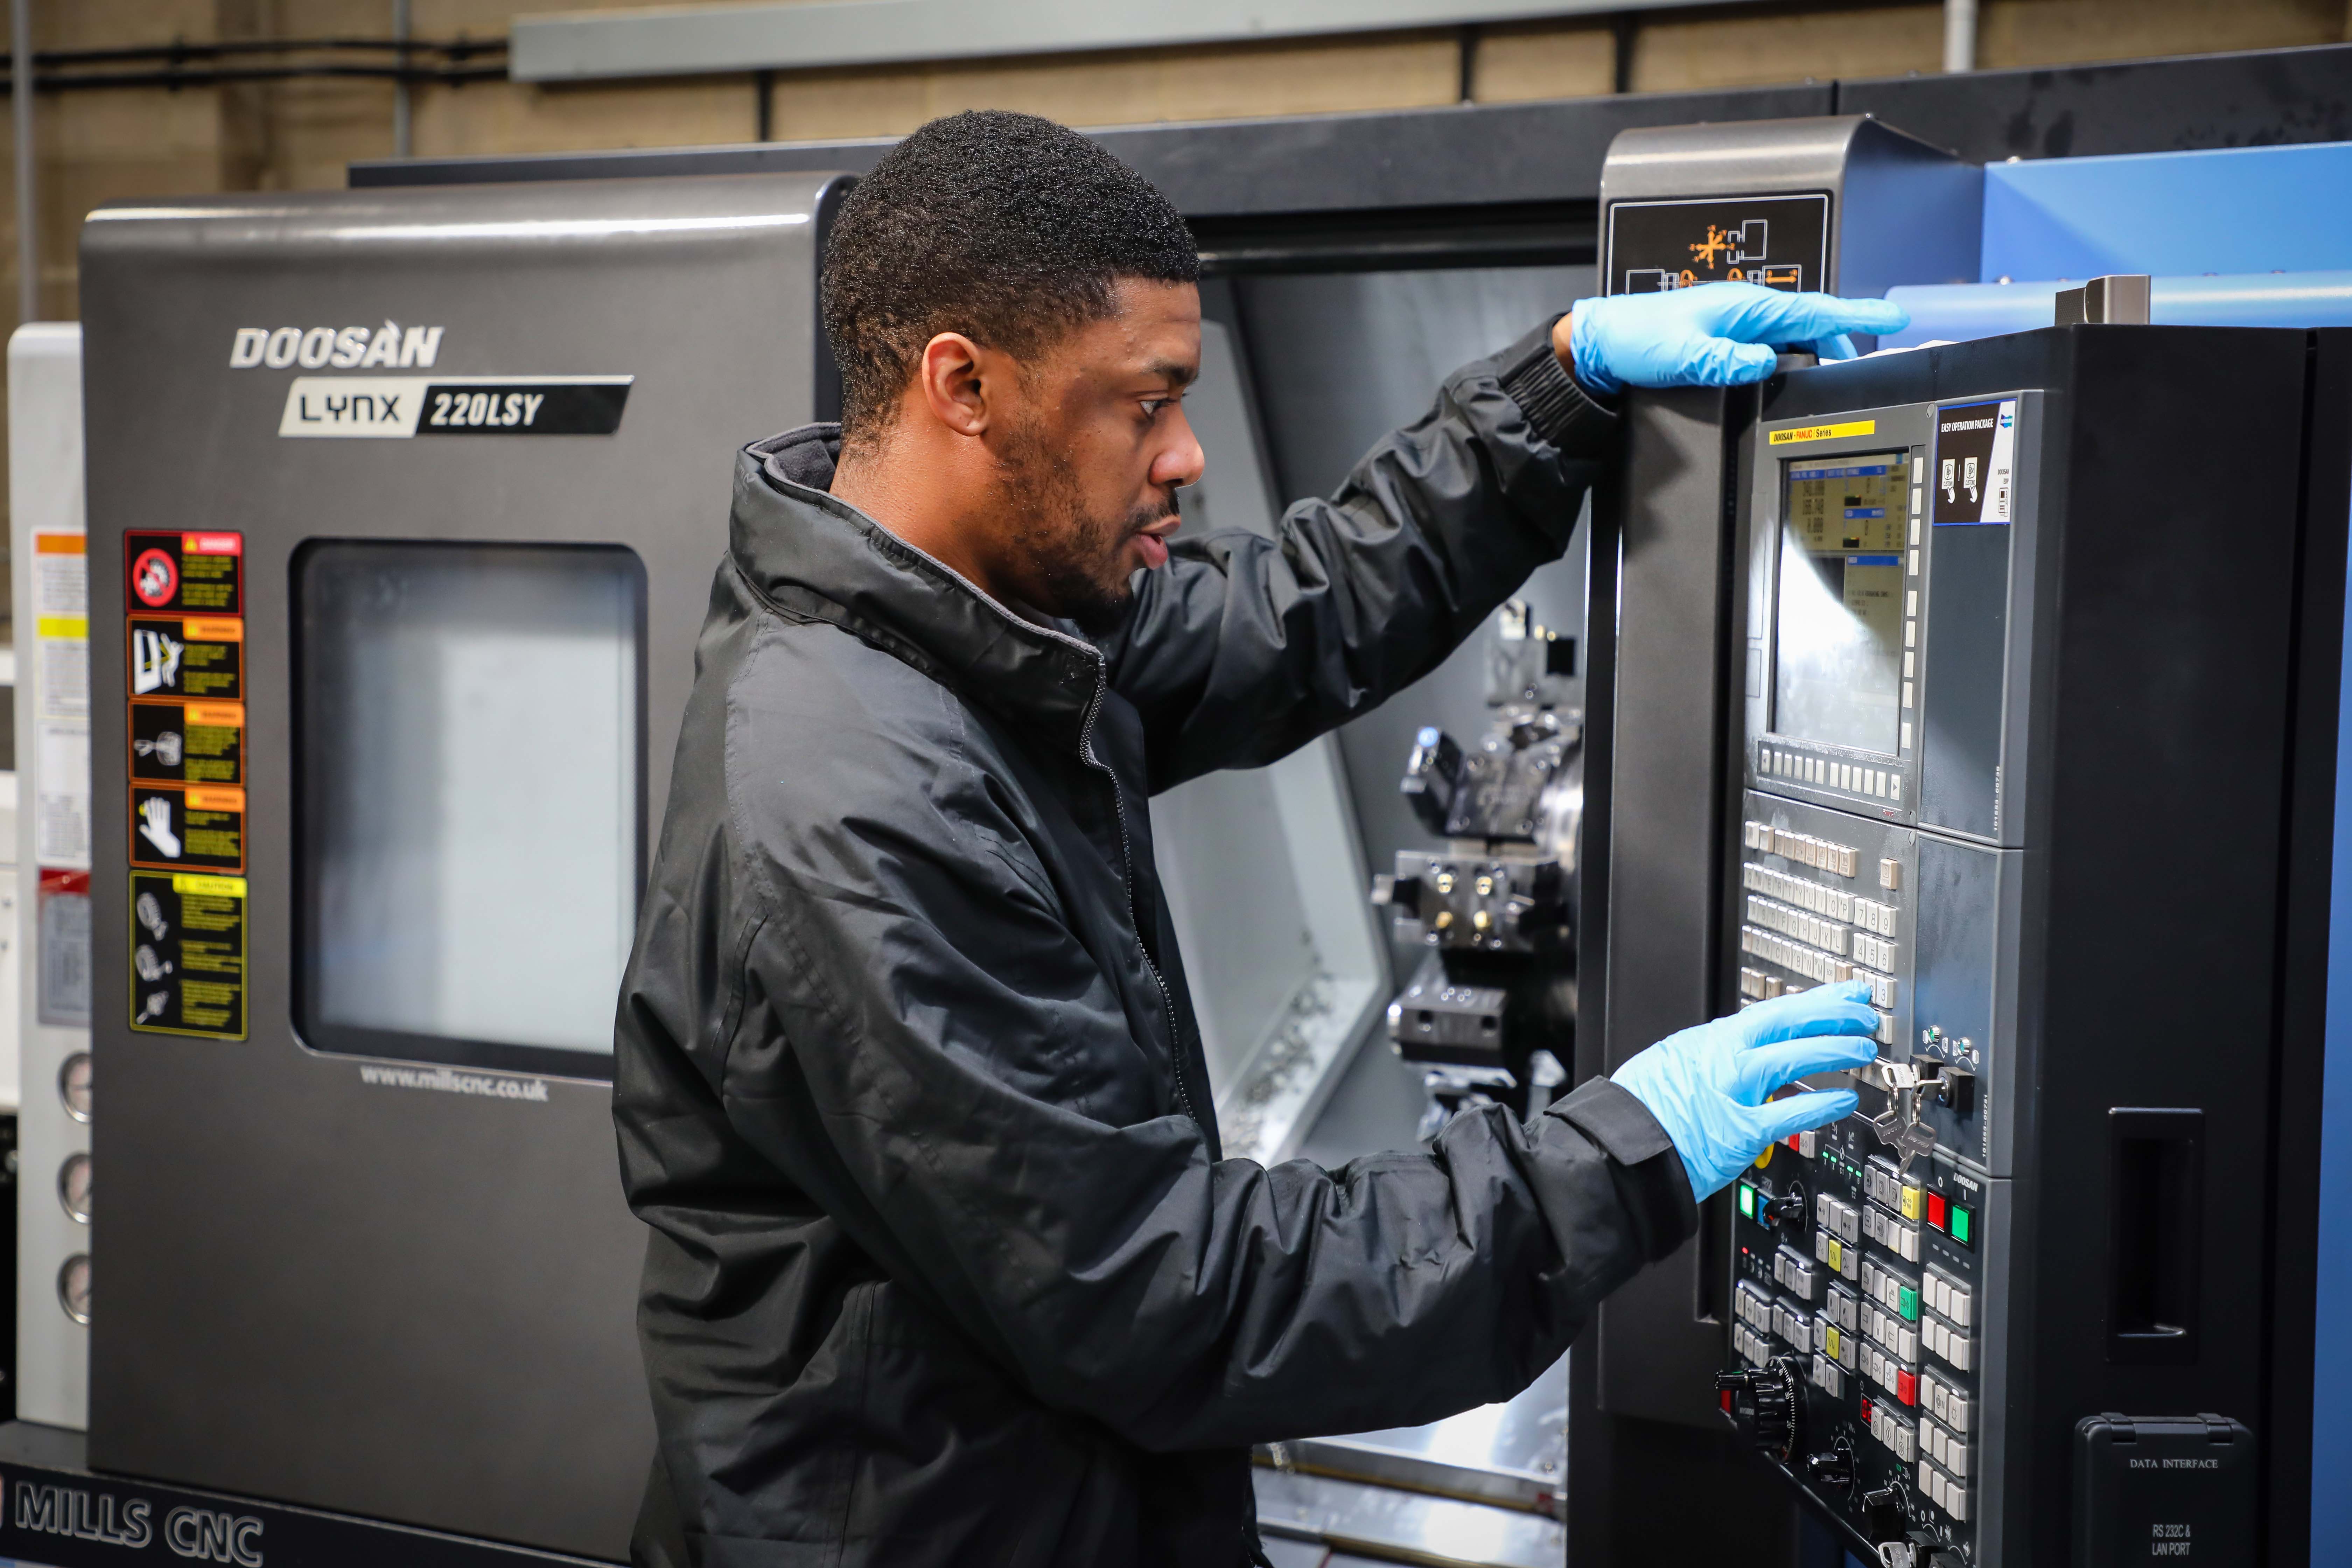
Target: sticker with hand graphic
{"points": [[155, 817], [198, 828]]}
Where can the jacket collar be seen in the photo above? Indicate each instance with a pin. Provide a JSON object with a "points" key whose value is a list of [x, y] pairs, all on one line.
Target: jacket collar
{"points": [[813, 556]]}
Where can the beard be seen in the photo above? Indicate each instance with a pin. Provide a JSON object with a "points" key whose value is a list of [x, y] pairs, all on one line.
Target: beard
{"points": [[1072, 561]]}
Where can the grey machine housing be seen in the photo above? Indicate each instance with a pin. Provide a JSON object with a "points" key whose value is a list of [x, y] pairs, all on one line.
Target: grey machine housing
{"points": [[1892, 209], [391, 1300]]}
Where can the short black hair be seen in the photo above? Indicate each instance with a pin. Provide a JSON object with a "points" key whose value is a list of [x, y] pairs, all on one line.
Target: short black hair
{"points": [[1006, 228]]}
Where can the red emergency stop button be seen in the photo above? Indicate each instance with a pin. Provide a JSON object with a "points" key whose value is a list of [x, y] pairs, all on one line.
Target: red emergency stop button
{"points": [[1906, 1387]]}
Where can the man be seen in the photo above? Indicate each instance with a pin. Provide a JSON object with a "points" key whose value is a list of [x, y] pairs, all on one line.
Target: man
{"points": [[945, 1266]]}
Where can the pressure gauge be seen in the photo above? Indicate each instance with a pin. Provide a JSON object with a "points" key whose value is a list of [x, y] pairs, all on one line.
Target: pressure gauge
{"points": [[73, 1085], [73, 1186], [73, 1288]]}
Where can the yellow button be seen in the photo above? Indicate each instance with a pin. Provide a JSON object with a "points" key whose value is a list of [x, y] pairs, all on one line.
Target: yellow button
{"points": [[1837, 1255], [1833, 1344], [1910, 1202]]}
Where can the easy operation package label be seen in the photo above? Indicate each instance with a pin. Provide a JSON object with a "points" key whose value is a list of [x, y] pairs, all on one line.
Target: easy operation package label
{"points": [[184, 757]]}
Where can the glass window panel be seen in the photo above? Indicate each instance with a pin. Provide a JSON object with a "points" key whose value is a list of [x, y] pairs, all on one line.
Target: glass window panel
{"points": [[469, 766]]}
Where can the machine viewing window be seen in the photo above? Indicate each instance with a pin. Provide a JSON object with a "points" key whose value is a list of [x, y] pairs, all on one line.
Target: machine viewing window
{"points": [[1838, 660], [470, 764]]}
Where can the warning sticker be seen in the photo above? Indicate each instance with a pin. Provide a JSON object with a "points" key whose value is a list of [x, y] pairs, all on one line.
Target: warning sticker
{"points": [[192, 743], [198, 827], [187, 954], [190, 656], [61, 957], [60, 693], [200, 573]]}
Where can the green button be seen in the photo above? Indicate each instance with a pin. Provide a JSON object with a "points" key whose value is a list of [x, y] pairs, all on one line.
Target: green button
{"points": [[1909, 1305], [1746, 1200], [1960, 1225]]}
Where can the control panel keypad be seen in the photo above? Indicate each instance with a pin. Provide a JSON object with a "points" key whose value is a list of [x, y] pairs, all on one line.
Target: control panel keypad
{"points": [[1899, 1435], [1796, 1273], [1953, 1345], [1947, 1400], [1953, 1298], [1835, 903], [1821, 854]]}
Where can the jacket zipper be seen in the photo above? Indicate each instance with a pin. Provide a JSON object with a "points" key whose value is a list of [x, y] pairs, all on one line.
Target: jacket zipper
{"points": [[1126, 877]]}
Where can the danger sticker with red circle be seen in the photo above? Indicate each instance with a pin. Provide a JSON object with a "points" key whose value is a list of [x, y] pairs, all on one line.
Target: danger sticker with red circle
{"points": [[200, 573]]}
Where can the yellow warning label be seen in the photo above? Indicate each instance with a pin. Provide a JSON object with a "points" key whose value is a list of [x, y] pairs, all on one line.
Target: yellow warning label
{"points": [[63, 629], [1823, 432], [217, 887]]}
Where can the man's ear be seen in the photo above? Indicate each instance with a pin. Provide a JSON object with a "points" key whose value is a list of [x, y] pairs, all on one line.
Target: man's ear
{"points": [[954, 384]]}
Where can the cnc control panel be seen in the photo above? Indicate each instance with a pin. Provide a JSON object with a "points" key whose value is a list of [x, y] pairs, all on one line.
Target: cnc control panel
{"points": [[1994, 605], [1867, 1300]]}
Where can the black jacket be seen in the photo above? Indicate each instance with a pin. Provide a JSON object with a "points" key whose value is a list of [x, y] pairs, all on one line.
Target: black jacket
{"points": [[946, 1268]]}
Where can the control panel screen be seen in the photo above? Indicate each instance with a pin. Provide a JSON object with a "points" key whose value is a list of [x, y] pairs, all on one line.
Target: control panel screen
{"points": [[1838, 663]]}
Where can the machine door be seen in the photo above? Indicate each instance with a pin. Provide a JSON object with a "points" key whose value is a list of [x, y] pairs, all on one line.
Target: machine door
{"points": [[389, 643]]}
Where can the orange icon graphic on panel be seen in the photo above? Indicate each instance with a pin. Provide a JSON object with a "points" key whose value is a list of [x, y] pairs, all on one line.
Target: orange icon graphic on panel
{"points": [[1714, 247]]}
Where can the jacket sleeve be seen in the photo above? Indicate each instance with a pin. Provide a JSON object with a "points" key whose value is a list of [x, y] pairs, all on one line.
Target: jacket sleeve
{"points": [[1244, 648], [920, 1047]]}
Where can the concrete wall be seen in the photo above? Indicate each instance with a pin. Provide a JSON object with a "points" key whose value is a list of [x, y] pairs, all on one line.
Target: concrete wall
{"points": [[98, 145]]}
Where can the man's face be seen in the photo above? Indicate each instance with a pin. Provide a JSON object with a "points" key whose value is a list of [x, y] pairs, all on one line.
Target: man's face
{"points": [[1092, 452]]}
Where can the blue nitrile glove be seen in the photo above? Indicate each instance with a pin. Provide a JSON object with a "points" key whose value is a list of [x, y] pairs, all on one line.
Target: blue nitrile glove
{"points": [[1707, 1086], [1713, 334]]}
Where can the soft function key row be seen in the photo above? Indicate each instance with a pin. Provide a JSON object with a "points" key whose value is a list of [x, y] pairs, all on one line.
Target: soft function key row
{"points": [[1884, 782], [1834, 902], [1821, 854]]}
